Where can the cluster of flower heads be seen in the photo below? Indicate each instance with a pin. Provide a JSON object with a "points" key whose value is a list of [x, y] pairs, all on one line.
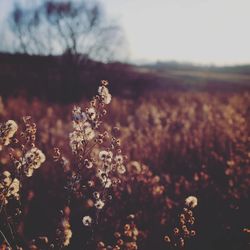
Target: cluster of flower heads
{"points": [[24, 157], [9, 187], [109, 164], [96, 150], [83, 131], [85, 123], [7, 131], [124, 240], [185, 229]]}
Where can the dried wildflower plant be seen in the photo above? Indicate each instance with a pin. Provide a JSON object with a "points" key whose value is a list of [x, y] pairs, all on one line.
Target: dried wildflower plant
{"points": [[98, 161], [97, 151], [24, 158], [184, 230]]}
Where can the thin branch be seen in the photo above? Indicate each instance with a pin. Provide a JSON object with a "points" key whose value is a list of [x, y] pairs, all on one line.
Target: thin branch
{"points": [[5, 239]]}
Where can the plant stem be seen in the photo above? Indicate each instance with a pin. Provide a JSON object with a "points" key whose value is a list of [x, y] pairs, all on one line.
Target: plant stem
{"points": [[5, 239]]}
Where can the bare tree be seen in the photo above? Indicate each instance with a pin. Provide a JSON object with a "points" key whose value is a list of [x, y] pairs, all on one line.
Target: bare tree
{"points": [[75, 28], [78, 30]]}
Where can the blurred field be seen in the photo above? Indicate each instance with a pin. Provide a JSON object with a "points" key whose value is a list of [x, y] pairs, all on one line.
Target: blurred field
{"points": [[186, 142]]}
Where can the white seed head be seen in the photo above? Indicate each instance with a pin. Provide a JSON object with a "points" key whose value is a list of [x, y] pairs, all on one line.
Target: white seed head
{"points": [[191, 201], [99, 204], [87, 221]]}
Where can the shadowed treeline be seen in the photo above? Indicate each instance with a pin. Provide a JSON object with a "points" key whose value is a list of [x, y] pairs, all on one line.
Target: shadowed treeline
{"points": [[58, 79], [54, 78]]}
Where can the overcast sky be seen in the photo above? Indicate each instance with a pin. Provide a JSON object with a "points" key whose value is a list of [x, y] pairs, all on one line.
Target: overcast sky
{"points": [[199, 31]]}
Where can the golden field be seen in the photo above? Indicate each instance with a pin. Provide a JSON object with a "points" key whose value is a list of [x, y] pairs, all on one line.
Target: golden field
{"points": [[175, 144]]}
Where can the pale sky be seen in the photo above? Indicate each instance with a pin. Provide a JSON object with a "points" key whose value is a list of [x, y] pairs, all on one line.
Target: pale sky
{"points": [[198, 31]]}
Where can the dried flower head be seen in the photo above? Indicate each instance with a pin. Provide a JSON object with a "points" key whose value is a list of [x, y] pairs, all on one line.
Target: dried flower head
{"points": [[119, 159], [104, 93], [7, 131], [87, 163], [191, 201], [91, 113], [9, 187], [99, 204], [87, 221], [106, 156], [32, 160]]}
